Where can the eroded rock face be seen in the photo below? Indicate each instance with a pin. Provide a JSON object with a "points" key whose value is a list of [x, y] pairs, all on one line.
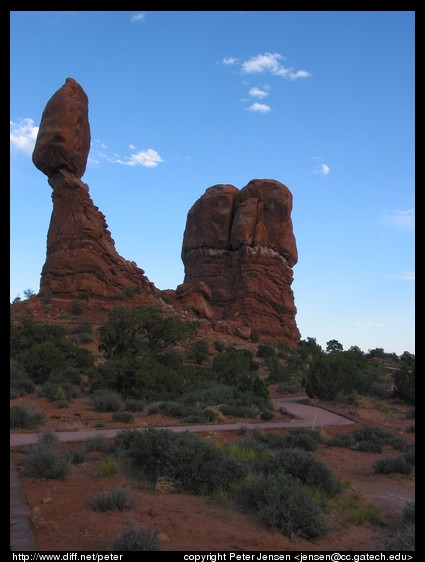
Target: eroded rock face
{"points": [[63, 140], [240, 243], [81, 257]]}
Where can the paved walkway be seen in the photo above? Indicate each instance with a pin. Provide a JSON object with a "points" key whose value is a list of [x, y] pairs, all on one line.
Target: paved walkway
{"points": [[303, 415]]}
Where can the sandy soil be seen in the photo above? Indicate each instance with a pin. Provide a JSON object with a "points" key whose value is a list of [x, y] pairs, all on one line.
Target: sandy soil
{"points": [[64, 521]]}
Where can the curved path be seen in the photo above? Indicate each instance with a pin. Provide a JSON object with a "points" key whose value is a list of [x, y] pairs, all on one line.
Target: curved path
{"points": [[303, 415]]}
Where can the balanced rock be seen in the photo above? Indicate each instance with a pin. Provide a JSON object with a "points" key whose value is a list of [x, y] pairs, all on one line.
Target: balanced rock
{"points": [[63, 140], [240, 244], [81, 257]]}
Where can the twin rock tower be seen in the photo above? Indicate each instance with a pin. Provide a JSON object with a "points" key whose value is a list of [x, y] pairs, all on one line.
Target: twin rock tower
{"points": [[238, 246]]}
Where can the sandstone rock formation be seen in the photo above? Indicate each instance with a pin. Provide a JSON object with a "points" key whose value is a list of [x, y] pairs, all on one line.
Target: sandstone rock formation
{"points": [[240, 244], [81, 257]]}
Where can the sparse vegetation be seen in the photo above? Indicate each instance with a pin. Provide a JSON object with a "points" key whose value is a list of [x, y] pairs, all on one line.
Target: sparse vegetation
{"points": [[26, 417], [135, 538], [116, 499]]}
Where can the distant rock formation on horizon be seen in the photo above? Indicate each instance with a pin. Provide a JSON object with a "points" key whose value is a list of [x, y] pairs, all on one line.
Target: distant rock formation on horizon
{"points": [[238, 246]]}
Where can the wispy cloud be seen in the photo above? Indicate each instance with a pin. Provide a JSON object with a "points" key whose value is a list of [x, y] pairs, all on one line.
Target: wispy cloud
{"points": [[23, 134], [370, 325], [259, 107], [147, 158], [406, 276], [140, 16], [322, 170], [258, 92], [271, 62], [230, 60], [403, 220]]}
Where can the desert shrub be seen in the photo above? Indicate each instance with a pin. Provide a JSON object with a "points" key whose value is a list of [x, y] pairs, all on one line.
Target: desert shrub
{"points": [[203, 416], [98, 443], [20, 382], [404, 378], [70, 375], [108, 467], [240, 410], [42, 461], [302, 438], [26, 416], [289, 388], [136, 538], [284, 503], [126, 417], [404, 539], [115, 500], [43, 349], [346, 440], [380, 436], [267, 415], [106, 401], [134, 405], [370, 446], [76, 456], [199, 352], [409, 454], [207, 394], [195, 465], [305, 466], [389, 465], [357, 512], [50, 391], [48, 438]]}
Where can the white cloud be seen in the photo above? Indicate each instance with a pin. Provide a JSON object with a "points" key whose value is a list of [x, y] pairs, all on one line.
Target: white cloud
{"points": [[322, 170], [137, 17], [131, 147], [260, 107], [147, 158], [258, 93], [370, 325], [23, 135], [406, 276], [270, 62], [230, 60], [404, 220]]}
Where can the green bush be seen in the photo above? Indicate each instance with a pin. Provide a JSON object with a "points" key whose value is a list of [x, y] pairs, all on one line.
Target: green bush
{"points": [[195, 465], [135, 538], [409, 454], [199, 352], [50, 391], [42, 461], [305, 466], [133, 405], [284, 503], [26, 417], [346, 440], [126, 417], [20, 382], [302, 438], [48, 438], [106, 401], [389, 465], [404, 539], [76, 456], [115, 500]]}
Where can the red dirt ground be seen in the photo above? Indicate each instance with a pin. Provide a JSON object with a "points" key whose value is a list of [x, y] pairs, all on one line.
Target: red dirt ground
{"points": [[63, 520]]}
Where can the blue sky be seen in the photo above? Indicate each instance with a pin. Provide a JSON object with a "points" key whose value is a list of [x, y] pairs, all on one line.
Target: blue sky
{"points": [[322, 101]]}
